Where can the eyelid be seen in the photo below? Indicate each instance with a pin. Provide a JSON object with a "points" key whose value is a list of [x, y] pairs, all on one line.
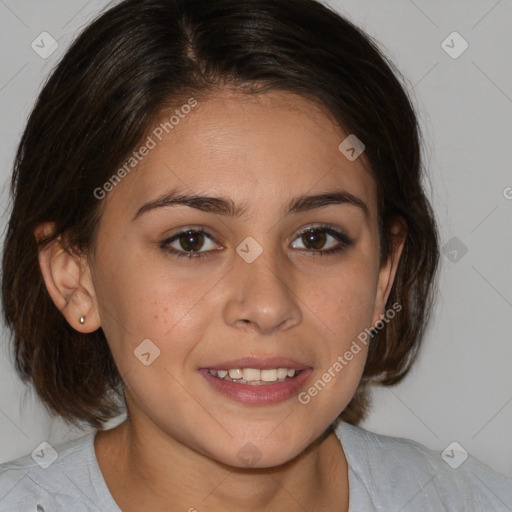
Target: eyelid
{"points": [[211, 233], [318, 225]]}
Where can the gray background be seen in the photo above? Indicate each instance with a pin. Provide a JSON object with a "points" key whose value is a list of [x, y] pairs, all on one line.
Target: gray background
{"points": [[461, 387]]}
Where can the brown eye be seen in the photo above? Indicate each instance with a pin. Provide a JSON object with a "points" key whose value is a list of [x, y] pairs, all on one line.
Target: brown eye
{"points": [[191, 240], [314, 240], [188, 243]]}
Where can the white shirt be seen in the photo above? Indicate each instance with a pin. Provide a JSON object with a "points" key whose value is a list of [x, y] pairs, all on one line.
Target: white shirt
{"points": [[385, 474]]}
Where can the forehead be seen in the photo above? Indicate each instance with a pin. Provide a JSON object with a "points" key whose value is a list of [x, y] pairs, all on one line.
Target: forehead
{"points": [[256, 149]]}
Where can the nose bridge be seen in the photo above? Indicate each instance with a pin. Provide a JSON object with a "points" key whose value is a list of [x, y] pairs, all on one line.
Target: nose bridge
{"points": [[261, 292]]}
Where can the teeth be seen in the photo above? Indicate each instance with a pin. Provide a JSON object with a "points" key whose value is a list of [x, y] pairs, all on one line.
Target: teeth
{"points": [[254, 375], [268, 375], [282, 373], [249, 374], [236, 373]]}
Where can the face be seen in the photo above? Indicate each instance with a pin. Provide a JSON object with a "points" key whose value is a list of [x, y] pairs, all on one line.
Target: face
{"points": [[185, 293]]}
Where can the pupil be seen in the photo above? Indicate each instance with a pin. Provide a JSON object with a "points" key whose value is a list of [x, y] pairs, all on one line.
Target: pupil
{"points": [[315, 238], [187, 241]]}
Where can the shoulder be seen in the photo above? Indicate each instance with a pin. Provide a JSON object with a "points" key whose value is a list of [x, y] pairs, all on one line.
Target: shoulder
{"points": [[395, 472], [48, 479]]}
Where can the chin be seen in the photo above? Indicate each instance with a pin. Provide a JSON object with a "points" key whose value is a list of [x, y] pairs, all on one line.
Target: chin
{"points": [[257, 454]]}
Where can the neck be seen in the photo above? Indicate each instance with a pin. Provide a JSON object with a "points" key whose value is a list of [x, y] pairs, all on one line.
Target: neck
{"points": [[145, 469]]}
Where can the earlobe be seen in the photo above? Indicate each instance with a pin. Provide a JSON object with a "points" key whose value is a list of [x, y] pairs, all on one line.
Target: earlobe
{"points": [[68, 281]]}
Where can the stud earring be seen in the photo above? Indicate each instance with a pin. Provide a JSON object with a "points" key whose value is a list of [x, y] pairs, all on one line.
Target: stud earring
{"points": [[82, 319]]}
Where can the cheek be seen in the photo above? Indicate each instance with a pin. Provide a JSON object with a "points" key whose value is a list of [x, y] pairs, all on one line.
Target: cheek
{"points": [[342, 299], [140, 301]]}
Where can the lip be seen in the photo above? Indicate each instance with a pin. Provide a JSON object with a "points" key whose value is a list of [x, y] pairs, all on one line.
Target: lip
{"points": [[265, 394], [260, 363]]}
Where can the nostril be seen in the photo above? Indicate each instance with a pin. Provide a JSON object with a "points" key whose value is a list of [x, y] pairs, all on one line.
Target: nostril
{"points": [[40, 508]]}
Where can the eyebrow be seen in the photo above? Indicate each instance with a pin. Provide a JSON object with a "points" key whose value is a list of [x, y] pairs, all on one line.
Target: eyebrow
{"points": [[225, 206]]}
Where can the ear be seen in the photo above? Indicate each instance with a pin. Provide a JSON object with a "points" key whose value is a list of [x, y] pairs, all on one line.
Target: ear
{"points": [[68, 280], [388, 269]]}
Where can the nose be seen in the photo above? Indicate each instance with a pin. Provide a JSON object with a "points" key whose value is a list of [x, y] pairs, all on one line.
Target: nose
{"points": [[260, 295]]}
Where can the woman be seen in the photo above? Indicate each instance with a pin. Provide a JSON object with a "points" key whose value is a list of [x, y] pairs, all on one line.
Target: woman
{"points": [[228, 235]]}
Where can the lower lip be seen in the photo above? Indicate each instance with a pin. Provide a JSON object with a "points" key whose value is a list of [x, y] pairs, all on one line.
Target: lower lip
{"points": [[258, 394]]}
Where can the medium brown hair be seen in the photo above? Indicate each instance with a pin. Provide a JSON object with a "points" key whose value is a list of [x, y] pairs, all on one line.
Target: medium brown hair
{"points": [[97, 105]]}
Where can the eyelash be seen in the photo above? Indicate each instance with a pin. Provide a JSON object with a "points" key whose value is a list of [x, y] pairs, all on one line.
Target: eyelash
{"points": [[344, 240]]}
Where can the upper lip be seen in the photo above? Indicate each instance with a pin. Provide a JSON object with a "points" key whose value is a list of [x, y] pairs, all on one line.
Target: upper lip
{"points": [[260, 363]]}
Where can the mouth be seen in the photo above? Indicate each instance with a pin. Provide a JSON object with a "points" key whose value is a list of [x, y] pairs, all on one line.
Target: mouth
{"points": [[257, 381]]}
